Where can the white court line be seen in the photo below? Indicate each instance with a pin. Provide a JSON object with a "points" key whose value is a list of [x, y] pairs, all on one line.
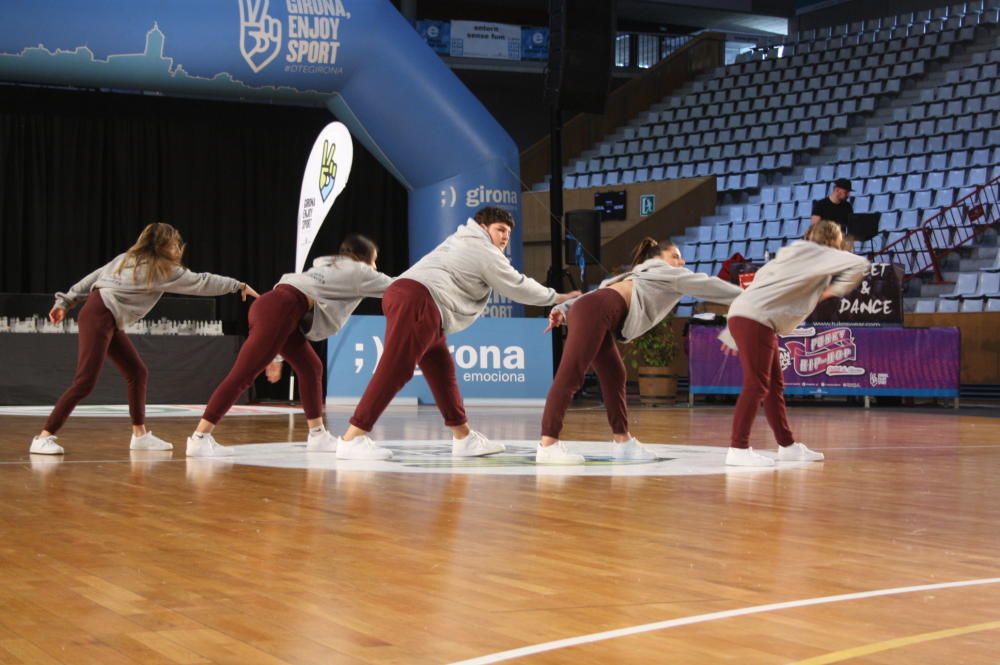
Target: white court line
{"points": [[40, 462], [905, 449], [713, 616]]}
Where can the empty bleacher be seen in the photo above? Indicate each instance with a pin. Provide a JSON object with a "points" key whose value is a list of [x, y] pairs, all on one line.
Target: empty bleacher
{"points": [[907, 106]]}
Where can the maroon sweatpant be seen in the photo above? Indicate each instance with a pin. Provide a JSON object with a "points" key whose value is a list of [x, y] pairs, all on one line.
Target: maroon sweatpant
{"points": [[762, 382], [413, 337], [100, 337], [274, 327], [594, 321]]}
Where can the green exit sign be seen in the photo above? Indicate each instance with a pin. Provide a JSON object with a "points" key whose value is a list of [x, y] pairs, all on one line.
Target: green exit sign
{"points": [[647, 204]]}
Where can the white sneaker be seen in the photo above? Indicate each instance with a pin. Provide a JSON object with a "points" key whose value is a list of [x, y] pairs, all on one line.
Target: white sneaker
{"points": [[46, 446], [557, 454], [206, 446], [631, 450], [361, 447], [747, 457], [149, 442], [321, 442], [475, 445], [798, 452]]}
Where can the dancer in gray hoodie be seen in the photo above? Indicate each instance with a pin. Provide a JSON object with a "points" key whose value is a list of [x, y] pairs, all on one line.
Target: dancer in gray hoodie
{"points": [[311, 305], [443, 293], [118, 294], [623, 308], [783, 293]]}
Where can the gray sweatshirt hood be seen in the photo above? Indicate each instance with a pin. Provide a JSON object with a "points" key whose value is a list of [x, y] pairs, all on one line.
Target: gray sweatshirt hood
{"points": [[657, 287], [462, 272], [129, 295], [786, 290], [336, 285]]}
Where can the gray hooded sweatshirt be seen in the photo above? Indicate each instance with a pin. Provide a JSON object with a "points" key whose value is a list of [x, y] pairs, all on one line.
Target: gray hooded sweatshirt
{"points": [[129, 298], [785, 291], [336, 284], [461, 272], [657, 287]]}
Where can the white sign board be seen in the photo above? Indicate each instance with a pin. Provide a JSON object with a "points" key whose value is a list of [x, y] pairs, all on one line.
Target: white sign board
{"points": [[474, 39], [325, 177]]}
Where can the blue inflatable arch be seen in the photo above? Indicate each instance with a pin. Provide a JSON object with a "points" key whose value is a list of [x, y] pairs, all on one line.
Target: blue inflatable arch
{"points": [[360, 58]]}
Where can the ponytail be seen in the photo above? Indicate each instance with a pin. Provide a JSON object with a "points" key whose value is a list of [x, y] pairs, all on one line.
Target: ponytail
{"points": [[359, 248], [648, 249]]}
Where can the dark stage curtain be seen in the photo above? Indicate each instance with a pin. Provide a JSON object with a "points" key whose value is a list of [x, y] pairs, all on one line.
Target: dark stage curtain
{"points": [[82, 172]]}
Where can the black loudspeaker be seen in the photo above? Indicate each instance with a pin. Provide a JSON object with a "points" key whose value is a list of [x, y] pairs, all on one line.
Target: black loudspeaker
{"points": [[585, 226], [581, 54]]}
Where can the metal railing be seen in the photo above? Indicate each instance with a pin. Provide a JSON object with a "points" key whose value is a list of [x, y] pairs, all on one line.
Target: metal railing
{"points": [[642, 50], [921, 249]]}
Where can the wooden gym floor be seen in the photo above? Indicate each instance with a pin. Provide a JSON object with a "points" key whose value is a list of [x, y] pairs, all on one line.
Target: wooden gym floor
{"points": [[107, 557]]}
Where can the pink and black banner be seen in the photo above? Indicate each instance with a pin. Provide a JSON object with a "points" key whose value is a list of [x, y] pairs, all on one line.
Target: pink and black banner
{"points": [[840, 360]]}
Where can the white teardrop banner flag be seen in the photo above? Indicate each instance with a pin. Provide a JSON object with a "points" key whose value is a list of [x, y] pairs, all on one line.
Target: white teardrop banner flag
{"points": [[325, 177]]}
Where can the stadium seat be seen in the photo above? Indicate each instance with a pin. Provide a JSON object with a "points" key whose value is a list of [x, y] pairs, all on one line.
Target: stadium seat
{"points": [[965, 286]]}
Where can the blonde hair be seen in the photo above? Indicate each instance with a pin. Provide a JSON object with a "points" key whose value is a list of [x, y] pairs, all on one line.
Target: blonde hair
{"points": [[158, 248], [826, 233]]}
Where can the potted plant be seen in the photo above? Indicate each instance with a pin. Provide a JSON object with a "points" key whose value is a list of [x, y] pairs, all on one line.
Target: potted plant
{"points": [[653, 355]]}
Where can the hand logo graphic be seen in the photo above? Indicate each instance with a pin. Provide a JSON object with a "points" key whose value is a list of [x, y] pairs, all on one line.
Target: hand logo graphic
{"points": [[327, 170], [260, 34]]}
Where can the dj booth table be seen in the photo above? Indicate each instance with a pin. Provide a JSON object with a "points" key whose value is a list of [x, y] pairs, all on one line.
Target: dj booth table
{"points": [[855, 345], [183, 369], [840, 360]]}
